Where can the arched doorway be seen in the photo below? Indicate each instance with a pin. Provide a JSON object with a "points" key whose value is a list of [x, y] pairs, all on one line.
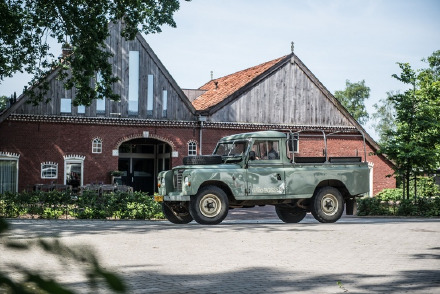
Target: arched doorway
{"points": [[141, 160]]}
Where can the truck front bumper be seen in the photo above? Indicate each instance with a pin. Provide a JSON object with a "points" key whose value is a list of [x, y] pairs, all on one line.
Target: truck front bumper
{"points": [[160, 198]]}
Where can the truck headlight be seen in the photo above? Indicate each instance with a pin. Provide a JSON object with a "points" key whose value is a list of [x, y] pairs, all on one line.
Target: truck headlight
{"points": [[159, 182], [186, 182]]}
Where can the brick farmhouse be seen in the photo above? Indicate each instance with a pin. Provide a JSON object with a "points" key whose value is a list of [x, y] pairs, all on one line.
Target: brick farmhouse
{"points": [[156, 123]]}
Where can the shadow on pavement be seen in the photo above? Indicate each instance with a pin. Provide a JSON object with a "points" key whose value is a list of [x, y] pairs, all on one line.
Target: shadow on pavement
{"points": [[268, 280]]}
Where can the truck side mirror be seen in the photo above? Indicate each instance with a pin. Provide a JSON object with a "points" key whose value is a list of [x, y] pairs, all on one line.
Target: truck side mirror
{"points": [[252, 155]]}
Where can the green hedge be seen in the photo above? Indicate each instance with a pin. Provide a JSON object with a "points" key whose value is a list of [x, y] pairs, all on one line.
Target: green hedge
{"points": [[89, 205], [391, 202], [388, 204], [422, 206]]}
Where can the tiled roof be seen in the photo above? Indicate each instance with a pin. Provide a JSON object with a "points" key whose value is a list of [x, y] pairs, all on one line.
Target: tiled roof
{"points": [[219, 89]]}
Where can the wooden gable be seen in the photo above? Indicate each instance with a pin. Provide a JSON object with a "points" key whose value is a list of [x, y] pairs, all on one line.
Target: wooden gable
{"points": [[165, 93], [282, 91]]}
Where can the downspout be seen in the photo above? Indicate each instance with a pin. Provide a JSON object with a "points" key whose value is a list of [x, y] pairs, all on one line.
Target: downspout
{"points": [[201, 119], [201, 137]]}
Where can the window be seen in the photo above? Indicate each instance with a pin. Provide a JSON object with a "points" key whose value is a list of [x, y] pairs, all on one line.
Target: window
{"points": [[49, 170], [266, 149], [164, 103], [150, 95], [73, 170], [294, 143], [100, 106], [8, 172], [81, 109], [100, 103], [66, 105], [97, 145], [192, 148], [133, 82]]}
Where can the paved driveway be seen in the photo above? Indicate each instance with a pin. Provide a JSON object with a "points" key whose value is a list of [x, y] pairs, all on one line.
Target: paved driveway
{"points": [[250, 254]]}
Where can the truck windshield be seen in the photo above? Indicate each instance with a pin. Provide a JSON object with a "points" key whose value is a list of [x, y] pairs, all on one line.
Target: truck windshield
{"points": [[231, 149]]}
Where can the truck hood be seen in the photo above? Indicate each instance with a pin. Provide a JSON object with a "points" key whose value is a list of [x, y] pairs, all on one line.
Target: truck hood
{"points": [[210, 166]]}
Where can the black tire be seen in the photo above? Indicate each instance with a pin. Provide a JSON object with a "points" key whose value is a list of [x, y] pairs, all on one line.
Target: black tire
{"points": [[209, 206], [176, 213], [327, 205], [290, 214], [202, 160]]}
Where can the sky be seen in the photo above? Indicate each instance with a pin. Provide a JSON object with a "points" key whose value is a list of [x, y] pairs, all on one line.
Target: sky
{"points": [[337, 40]]}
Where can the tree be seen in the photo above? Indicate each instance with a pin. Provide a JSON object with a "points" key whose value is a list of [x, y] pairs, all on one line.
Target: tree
{"points": [[384, 116], [82, 26], [353, 97], [3, 101], [414, 144]]}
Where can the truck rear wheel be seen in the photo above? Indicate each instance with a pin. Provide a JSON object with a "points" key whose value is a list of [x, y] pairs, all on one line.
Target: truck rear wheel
{"points": [[176, 214], [290, 214], [209, 206], [327, 205]]}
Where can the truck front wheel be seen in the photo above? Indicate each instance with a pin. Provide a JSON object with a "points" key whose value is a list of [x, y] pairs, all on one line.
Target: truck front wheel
{"points": [[175, 213], [290, 214], [327, 205], [209, 206]]}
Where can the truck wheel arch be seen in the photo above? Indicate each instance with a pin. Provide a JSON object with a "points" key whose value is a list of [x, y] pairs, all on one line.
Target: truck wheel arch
{"points": [[222, 186], [335, 184]]}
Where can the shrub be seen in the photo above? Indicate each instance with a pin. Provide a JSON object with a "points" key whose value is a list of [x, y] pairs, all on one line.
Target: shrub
{"points": [[89, 205], [371, 206], [51, 213], [389, 202], [390, 194]]}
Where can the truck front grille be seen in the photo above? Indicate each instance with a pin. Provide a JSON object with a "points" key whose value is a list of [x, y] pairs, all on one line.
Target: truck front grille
{"points": [[178, 180]]}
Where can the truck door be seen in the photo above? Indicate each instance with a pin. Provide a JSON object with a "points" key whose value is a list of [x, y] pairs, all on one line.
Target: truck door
{"points": [[265, 175]]}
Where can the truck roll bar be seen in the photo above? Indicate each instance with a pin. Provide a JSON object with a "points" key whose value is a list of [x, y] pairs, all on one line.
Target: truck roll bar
{"points": [[292, 134]]}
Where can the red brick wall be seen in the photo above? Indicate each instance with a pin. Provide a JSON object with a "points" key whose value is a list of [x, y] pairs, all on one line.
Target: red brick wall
{"points": [[49, 142]]}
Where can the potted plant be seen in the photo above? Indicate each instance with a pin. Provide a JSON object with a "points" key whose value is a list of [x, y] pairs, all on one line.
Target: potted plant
{"points": [[116, 177]]}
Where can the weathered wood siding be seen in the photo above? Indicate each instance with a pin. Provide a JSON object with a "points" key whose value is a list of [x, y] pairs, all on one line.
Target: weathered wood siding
{"points": [[288, 96], [178, 105]]}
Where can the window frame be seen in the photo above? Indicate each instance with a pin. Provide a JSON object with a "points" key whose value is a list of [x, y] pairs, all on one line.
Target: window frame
{"points": [[70, 160], [97, 145], [81, 109], [192, 148], [164, 103], [261, 148], [150, 95], [100, 103], [14, 160], [133, 83], [64, 106], [47, 165]]}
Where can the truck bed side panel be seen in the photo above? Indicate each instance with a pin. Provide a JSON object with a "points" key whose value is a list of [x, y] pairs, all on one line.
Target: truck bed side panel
{"points": [[301, 180]]}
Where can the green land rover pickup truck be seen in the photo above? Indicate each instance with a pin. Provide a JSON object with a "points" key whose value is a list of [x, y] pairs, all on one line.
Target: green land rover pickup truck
{"points": [[260, 168]]}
